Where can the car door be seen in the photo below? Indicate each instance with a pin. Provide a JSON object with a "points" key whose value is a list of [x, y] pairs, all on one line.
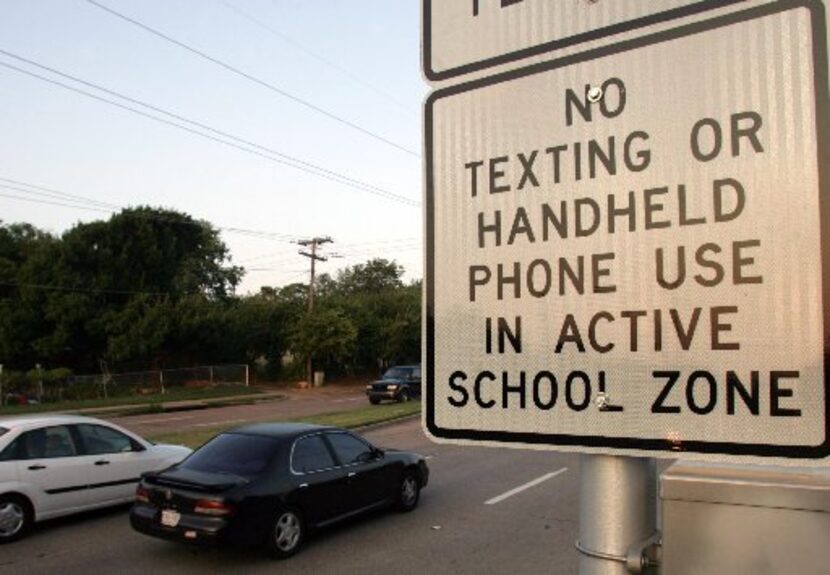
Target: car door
{"points": [[51, 464], [369, 479], [117, 463], [319, 482]]}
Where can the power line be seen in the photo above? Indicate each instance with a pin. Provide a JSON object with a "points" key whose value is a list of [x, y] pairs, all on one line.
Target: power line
{"points": [[286, 38], [91, 206], [50, 193], [272, 258], [346, 179], [252, 78], [46, 202], [247, 146]]}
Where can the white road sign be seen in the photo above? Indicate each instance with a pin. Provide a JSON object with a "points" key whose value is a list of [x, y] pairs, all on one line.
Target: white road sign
{"points": [[462, 36], [627, 249]]}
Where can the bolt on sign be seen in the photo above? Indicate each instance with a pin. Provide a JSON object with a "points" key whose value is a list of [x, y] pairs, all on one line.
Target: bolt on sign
{"points": [[462, 36], [627, 248]]}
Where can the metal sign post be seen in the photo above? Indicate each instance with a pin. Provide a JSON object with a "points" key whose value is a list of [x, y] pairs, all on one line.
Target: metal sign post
{"points": [[617, 515]]}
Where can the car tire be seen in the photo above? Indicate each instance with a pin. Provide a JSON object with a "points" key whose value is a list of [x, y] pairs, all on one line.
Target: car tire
{"points": [[16, 518], [403, 396], [374, 400], [409, 492], [286, 534]]}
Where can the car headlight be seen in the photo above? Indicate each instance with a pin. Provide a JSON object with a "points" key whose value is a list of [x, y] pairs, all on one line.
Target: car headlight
{"points": [[391, 387]]}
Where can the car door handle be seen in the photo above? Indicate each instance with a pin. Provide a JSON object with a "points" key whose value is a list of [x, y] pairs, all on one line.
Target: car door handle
{"points": [[351, 475], [303, 485], [102, 462], [37, 467]]}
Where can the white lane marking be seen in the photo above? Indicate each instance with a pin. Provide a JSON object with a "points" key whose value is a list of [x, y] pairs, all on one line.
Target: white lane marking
{"points": [[527, 485], [212, 423], [165, 420]]}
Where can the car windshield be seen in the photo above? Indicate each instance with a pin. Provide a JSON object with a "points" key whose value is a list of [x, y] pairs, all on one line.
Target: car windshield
{"points": [[231, 453], [396, 373]]}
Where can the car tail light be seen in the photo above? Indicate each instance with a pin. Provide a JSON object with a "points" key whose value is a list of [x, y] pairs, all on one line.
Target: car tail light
{"points": [[215, 507], [142, 494]]}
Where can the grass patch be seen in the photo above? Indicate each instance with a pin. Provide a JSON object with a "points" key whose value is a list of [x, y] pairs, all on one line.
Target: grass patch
{"points": [[348, 419], [144, 400]]}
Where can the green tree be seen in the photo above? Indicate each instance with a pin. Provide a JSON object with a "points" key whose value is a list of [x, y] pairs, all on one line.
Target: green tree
{"points": [[324, 333], [111, 289], [375, 276]]}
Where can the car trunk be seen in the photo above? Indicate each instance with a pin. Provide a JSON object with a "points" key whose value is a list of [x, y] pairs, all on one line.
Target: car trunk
{"points": [[182, 488]]}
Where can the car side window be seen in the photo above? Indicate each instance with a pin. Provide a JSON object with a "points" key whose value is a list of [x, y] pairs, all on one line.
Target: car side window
{"points": [[349, 449], [311, 454], [99, 439], [44, 443], [10, 453]]}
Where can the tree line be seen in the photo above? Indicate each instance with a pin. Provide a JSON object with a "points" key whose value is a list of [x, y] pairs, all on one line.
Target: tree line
{"points": [[154, 288]]}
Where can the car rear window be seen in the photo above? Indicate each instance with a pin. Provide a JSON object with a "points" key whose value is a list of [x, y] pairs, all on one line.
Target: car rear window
{"points": [[235, 453]]}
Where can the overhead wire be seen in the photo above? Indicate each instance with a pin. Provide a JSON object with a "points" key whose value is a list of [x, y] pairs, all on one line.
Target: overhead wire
{"points": [[320, 58], [253, 78], [91, 204], [283, 256], [243, 145]]}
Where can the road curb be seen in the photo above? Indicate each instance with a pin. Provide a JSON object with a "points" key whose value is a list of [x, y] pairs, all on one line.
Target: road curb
{"points": [[379, 424]]}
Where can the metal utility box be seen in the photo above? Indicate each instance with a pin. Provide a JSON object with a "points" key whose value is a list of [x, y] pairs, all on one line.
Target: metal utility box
{"points": [[745, 520]]}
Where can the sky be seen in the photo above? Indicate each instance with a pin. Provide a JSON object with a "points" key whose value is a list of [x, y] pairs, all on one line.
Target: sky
{"points": [[324, 97]]}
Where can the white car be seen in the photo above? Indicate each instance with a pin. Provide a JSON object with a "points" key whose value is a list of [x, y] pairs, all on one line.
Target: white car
{"points": [[53, 465]]}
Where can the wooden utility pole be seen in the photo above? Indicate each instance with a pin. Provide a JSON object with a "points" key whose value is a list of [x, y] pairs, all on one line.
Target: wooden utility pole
{"points": [[314, 257]]}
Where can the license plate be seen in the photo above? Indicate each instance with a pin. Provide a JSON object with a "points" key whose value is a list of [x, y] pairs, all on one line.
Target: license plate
{"points": [[170, 518]]}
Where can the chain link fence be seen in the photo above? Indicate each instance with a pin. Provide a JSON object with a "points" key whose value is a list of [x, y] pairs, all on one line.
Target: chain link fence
{"points": [[101, 386]]}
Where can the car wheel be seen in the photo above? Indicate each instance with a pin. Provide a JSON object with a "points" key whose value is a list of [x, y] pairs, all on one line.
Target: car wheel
{"points": [[374, 400], [15, 518], [409, 492], [287, 534], [403, 396]]}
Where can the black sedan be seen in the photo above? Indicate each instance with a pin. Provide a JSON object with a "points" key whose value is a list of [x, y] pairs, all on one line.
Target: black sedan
{"points": [[272, 484]]}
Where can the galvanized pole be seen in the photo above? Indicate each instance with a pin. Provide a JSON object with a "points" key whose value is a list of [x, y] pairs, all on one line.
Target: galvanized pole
{"points": [[617, 513]]}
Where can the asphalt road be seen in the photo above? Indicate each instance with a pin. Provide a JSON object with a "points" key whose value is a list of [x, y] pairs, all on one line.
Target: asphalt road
{"points": [[298, 402], [485, 511]]}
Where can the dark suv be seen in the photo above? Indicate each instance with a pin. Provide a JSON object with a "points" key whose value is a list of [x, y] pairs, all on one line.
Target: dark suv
{"points": [[398, 383]]}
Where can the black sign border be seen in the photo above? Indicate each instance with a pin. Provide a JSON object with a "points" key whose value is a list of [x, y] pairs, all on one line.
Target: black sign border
{"points": [[618, 28], [820, 79]]}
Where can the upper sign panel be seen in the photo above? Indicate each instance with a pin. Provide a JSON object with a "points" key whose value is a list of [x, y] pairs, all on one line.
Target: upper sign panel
{"points": [[627, 249], [463, 36]]}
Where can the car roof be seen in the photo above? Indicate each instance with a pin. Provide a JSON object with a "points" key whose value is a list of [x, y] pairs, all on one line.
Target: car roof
{"points": [[281, 430], [40, 420]]}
